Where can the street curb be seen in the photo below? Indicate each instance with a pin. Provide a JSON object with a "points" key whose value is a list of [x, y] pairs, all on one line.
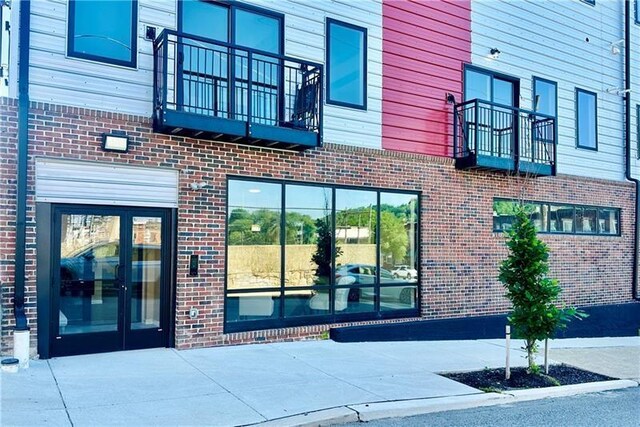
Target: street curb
{"points": [[324, 417], [406, 408], [570, 390]]}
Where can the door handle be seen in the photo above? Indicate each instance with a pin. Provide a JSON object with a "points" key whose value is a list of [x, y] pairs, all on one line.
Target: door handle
{"points": [[119, 280]]}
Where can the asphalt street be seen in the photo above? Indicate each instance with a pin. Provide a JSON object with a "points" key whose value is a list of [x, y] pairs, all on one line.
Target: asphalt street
{"points": [[619, 408]]}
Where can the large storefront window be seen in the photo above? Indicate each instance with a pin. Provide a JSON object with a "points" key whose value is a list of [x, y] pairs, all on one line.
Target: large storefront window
{"points": [[302, 254]]}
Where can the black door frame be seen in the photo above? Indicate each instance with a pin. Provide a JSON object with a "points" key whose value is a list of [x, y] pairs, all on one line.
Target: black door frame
{"points": [[47, 243]]}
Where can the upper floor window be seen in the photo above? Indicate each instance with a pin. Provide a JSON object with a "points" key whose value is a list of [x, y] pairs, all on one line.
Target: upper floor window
{"points": [[103, 31], [545, 96], [638, 128], [637, 12], [586, 118], [591, 2], [346, 64]]}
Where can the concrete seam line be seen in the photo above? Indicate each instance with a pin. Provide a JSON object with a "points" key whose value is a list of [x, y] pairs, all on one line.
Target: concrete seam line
{"points": [[64, 403]]}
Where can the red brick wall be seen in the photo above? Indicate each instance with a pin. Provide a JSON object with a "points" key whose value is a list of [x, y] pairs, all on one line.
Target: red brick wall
{"points": [[459, 251]]}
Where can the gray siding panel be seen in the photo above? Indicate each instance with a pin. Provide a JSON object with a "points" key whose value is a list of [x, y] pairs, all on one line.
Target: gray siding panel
{"points": [[549, 40], [56, 78], [66, 181]]}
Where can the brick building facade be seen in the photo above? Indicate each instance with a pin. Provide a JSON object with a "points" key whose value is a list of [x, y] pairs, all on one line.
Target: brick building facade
{"points": [[459, 252]]}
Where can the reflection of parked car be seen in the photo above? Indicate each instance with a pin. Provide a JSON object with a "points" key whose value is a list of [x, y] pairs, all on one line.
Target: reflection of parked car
{"points": [[365, 274], [405, 272], [80, 269]]}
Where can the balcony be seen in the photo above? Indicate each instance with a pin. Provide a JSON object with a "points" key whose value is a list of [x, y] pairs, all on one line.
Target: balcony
{"points": [[497, 137], [214, 90]]}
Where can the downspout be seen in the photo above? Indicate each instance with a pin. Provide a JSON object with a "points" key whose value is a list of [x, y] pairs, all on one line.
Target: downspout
{"points": [[23, 147], [627, 114]]}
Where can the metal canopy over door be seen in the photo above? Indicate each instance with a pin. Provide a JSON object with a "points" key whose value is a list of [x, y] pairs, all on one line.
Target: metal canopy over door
{"points": [[110, 279]]}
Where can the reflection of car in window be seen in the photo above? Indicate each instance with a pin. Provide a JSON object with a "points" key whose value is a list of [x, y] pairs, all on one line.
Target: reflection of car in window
{"points": [[80, 269], [365, 274], [404, 272]]}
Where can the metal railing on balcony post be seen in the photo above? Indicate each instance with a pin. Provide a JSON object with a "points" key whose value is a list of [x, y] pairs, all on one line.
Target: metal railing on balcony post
{"points": [[210, 78], [506, 132]]}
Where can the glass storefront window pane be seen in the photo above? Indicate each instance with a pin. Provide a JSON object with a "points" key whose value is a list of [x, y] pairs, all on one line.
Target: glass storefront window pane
{"points": [[354, 300], [586, 220], [308, 252], [356, 214], [253, 240], [561, 219], [398, 297], [608, 221], [253, 306], [398, 236]]}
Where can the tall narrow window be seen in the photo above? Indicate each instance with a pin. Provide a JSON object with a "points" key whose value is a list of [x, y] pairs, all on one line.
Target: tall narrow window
{"points": [[346, 64], [586, 118], [103, 31], [545, 96]]}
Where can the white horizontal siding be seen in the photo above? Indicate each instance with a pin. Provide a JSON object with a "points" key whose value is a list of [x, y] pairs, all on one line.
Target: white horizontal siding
{"points": [[548, 39], [66, 181], [59, 79], [635, 96]]}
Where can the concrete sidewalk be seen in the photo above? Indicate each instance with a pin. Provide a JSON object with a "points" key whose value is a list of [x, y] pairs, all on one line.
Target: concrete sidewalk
{"points": [[256, 383]]}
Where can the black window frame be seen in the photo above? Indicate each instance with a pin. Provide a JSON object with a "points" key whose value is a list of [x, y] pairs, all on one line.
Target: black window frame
{"points": [[636, 12], [364, 30], [133, 63], [287, 322], [589, 2], [577, 103], [574, 207]]}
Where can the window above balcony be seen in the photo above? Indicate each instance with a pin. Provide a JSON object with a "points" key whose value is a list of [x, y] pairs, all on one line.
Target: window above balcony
{"points": [[223, 76]]}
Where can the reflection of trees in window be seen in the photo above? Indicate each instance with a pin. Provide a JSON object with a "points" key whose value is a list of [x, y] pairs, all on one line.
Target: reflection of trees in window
{"points": [[260, 227], [393, 237], [323, 256]]}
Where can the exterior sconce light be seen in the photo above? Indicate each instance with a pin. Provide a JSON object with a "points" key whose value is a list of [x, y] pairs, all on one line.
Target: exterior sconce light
{"points": [[116, 142], [615, 47], [494, 53]]}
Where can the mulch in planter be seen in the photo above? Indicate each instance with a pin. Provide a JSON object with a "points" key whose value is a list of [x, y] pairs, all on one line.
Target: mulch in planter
{"points": [[493, 379]]}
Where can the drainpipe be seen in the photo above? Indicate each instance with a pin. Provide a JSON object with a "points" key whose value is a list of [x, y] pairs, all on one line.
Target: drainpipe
{"points": [[627, 118], [23, 146]]}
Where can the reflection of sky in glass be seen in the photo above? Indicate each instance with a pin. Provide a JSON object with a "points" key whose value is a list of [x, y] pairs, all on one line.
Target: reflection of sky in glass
{"points": [[205, 20], [346, 62], [350, 199], [547, 101], [587, 119], [257, 31], [397, 199], [254, 195], [103, 28], [477, 86], [308, 200]]}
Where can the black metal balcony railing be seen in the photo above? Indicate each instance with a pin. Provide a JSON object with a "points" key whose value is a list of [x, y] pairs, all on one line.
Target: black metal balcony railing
{"points": [[207, 88], [493, 136]]}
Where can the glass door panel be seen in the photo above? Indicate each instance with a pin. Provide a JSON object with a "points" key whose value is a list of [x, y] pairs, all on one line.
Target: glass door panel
{"points": [[146, 269], [89, 273], [205, 81], [503, 119]]}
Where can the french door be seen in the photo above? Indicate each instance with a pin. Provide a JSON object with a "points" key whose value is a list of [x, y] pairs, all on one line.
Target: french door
{"points": [[110, 285]]}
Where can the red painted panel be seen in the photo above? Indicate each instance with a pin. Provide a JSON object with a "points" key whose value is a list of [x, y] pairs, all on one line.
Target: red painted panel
{"points": [[425, 44]]}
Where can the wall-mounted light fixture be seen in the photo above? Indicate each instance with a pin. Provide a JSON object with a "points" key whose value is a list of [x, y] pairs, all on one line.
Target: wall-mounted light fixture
{"points": [[618, 91], [616, 47], [115, 141], [451, 98], [494, 53]]}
